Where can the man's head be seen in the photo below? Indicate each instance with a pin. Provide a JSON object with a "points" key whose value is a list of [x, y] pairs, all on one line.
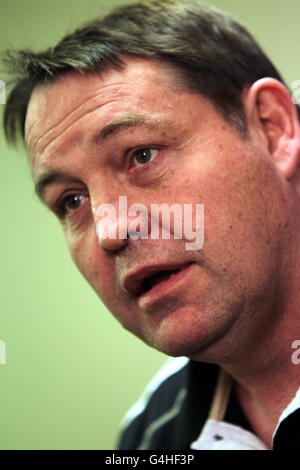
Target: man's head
{"points": [[171, 108], [212, 53]]}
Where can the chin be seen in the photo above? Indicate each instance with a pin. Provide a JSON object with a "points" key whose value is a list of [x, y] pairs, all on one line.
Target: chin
{"points": [[175, 338], [186, 333]]}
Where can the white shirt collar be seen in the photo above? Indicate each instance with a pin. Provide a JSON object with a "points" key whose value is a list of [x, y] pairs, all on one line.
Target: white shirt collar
{"points": [[219, 435]]}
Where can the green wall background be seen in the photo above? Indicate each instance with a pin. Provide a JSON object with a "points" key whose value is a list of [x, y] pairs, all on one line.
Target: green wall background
{"points": [[71, 372]]}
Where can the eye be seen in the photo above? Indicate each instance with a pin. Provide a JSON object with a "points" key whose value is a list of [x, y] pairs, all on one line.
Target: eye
{"points": [[70, 203], [143, 156]]}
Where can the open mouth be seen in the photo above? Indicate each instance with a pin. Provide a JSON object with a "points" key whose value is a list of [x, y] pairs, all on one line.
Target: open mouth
{"points": [[148, 278], [157, 278]]}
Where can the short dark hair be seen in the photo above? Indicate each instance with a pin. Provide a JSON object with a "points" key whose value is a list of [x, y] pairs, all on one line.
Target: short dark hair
{"points": [[216, 55]]}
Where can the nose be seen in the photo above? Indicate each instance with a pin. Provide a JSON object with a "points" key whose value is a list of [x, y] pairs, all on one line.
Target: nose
{"points": [[111, 229], [114, 229], [112, 244]]}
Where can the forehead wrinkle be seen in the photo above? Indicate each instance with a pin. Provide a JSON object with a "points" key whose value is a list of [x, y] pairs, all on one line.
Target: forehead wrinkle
{"points": [[69, 116], [42, 150]]}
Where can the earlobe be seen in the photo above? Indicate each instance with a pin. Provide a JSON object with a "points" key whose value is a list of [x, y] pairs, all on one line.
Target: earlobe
{"points": [[271, 112]]}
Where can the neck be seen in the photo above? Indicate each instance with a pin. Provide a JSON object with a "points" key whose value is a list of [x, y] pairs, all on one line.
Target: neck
{"points": [[267, 377]]}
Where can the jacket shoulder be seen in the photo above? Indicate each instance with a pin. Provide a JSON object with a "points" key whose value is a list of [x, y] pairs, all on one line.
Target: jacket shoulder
{"points": [[173, 408], [157, 406]]}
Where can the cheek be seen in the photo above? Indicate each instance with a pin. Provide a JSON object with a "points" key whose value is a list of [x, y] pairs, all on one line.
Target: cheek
{"points": [[242, 213], [93, 263], [243, 205], [98, 268]]}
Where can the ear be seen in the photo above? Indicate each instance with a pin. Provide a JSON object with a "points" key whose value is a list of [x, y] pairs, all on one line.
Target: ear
{"points": [[271, 112]]}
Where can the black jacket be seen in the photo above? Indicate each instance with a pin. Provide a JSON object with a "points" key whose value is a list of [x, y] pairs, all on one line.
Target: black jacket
{"points": [[175, 408], [175, 411]]}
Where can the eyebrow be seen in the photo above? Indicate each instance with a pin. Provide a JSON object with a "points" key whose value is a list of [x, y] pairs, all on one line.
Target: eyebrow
{"points": [[50, 177], [110, 130], [120, 125]]}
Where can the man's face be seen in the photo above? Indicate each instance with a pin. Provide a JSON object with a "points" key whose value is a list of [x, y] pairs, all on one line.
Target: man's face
{"points": [[162, 144]]}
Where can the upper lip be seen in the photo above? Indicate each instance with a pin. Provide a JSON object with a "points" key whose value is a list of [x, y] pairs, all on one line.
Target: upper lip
{"points": [[133, 280]]}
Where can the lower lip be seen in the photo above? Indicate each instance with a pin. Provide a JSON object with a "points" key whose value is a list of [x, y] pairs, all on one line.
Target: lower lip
{"points": [[162, 289]]}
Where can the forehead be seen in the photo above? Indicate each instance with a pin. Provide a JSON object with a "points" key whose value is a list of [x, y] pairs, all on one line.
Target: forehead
{"points": [[57, 107]]}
